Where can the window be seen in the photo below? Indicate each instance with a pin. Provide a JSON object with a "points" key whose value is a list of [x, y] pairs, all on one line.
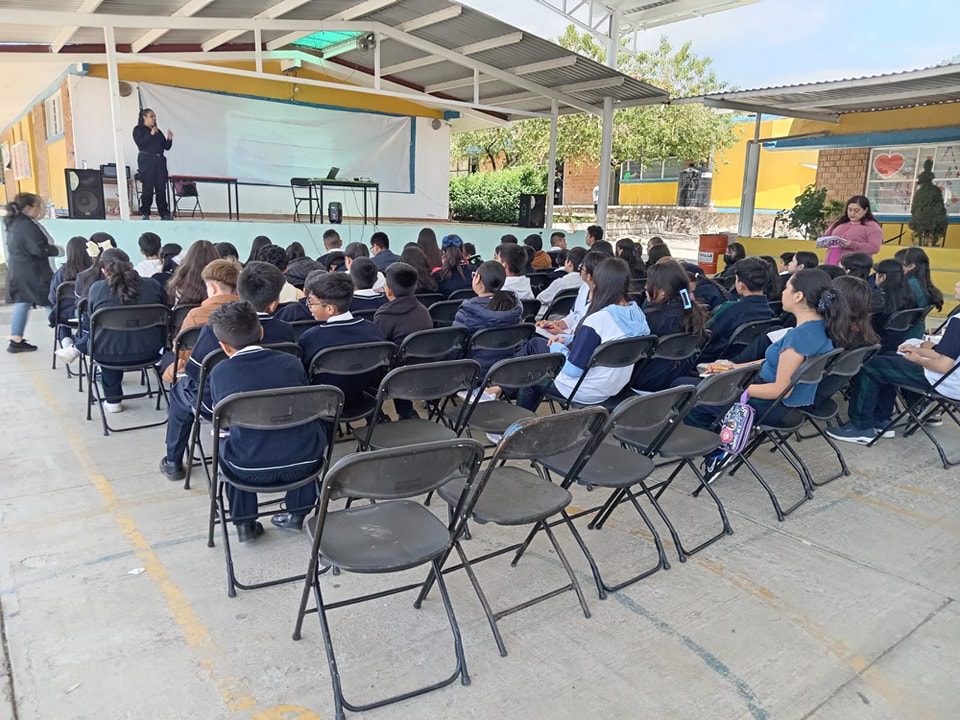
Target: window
{"points": [[53, 111], [634, 170], [892, 176]]}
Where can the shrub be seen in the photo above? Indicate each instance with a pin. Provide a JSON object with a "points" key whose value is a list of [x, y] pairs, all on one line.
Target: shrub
{"points": [[813, 213], [494, 196]]}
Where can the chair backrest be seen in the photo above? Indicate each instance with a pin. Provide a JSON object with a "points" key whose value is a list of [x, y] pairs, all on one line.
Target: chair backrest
{"points": [[811, 371], [677, 347], [523, 372], [530, 309], [403, 472], [177, 315], [279, 408], [652, 411], [844, 367], [443, 312], [355, 359], [462, 294], [185, 340], [941, 326], [447, 343], [560, 307], [300, 183], [129, 318], [502, 339], [549, 435], [429, 381], [904, 320], [301, 326], [67, 289], [748, 332], [725, 388], [776, 306], [623, 352], [428, 299], [538, 282]]}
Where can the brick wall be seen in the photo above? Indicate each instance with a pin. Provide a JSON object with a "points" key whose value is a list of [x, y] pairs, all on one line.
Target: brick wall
{"points": [[843, 172], [578, 182]]}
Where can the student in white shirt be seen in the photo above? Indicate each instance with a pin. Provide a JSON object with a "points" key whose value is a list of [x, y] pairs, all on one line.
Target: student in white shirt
{"points": [[150, 249], [514, 258], [570, 280]]}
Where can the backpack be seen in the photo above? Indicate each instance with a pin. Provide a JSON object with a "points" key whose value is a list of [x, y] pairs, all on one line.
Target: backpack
{"points": [[736, 426]]}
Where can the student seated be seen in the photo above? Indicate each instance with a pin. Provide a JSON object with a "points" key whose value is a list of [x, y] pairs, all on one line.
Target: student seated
{"points": [[470, 256], [752, 276], [803, 260], [330, 298], [262, 457], [454, 273], [611, 316], [98, 243], [220, 277], [628, 251], [380, 251], [259, 284], [916, 265], [785, 260], [921, 366], [541, 261], [413, 256], [896, 296], [120, 286], [277, 256], [493, 307], [169, 255], [332, 259], [186, 287], [62, 311], [299, 265], [513, 258], [656, 253], [355, 251], [363, 273], [566, 326], [734, 253], [227, 250], [706, 291], [569, 279], [151, 264], [558, 248]]}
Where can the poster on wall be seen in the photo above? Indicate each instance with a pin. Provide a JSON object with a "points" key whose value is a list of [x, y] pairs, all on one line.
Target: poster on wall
{"points": [[4, 156], [892, 176], [21, 161]]}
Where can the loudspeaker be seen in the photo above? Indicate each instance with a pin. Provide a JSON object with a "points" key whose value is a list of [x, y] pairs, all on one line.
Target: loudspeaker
{"points": [[85, 194], [533, 210], [335, 213]]}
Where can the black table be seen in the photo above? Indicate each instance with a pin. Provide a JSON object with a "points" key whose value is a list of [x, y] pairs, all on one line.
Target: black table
{"points": [[365, 185]]}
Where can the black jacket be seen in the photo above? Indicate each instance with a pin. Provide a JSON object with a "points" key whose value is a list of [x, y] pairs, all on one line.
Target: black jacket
{"points": [[384, 259], [297, 271], [154, 143], [28, 261], [398, 318]]}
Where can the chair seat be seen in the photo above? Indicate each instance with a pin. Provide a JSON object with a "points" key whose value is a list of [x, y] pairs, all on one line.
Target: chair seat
{"points": [[492, 417], [823, 410], [512, 497], [610, 466], [386, 537], [409, 432], [685, 442], [792, 420]]}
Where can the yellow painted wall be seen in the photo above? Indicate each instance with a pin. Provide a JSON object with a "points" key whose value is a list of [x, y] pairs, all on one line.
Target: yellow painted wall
{"points": [[198, 80], [649, 193], [944, 262], [884, 120], [56, 158]]}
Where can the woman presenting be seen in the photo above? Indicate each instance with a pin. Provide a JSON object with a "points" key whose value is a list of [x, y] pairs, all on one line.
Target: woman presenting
{"points": [[151, 164], [857, 229]]}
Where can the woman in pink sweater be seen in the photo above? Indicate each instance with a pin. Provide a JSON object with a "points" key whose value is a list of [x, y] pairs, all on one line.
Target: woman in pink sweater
{"points": [[858, 229]]}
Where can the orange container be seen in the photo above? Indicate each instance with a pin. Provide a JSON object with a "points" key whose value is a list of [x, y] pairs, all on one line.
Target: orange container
{"points": [[712, 248]]}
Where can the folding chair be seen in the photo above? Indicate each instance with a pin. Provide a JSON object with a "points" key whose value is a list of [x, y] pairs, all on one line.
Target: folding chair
{"points": [[507, 339], [186, 189], [625, 352], [899, 324], [426, 382], [837, 376], [428, 299], [746, 334], [272, 410], [83, 305], [765, 429], [65, 292], [442, 313], [561, 305], [777, 307], [364, 314], [177, 315], [297, 187], [301, 326], [446, 343], [126, 319], [184, 340], [538, 282], [390, 535], [509, 496], [530, 309], [464, 294]]}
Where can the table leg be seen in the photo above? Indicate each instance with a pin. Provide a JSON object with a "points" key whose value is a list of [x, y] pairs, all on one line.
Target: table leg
{"points": [[365, 205], [236, 198], [377, 198], [320, 209]]}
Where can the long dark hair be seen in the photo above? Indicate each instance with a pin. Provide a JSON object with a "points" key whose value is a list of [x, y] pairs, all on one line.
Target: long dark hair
{"points": [[413, 256], [427, 242], [655, 254], [88, 277], [611, 285], [78, 259], [167, 254], [857, 264], [917, 257], [897, 295], [144, 111], [18, 204], [627, 251], [187, 287], [669, 277], [295, 251], [123, 280], [452, 263], [774, 287], [492, 277], [856, 291], [818, 295], [864, 203], [738, 252], [259, 243]]}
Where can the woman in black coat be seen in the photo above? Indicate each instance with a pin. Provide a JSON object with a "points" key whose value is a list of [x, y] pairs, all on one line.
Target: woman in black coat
{"points": [[151, 164], [29, 250]]}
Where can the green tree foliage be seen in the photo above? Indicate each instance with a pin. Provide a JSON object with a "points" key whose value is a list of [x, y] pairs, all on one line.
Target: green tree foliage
{"points": [[494, 197], [653, 132], [812, 213], [928, 214]]}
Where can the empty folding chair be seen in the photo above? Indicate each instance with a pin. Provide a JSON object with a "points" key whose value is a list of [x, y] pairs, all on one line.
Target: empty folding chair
{"points": [[302, 193], [621, 353], [362, 360], [561, 305], [391, 535], [510, 496], [446, 343], [273, 410], [443, 313]]}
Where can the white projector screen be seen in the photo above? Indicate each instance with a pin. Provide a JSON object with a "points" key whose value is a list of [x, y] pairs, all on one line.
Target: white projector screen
{"points": [[262, 141]]}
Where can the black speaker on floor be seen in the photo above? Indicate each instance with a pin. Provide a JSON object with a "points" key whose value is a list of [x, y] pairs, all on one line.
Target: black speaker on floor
{"points": [[335, 213], [533, 210], [85, 194]]}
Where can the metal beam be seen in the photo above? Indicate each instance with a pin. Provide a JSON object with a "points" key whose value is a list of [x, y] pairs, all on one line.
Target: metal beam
{"points": [[87, 7], [723, 104], [551, 163], [116, 117], [569, 88], [151, 36], [677, 11], [357, 11], [918, 95], [528, 69], [272, 12], [751, 174], [606, 127], [471, 49]]}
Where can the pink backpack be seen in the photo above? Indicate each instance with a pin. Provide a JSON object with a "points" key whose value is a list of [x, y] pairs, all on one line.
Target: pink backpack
{"points": [[736, 426]]}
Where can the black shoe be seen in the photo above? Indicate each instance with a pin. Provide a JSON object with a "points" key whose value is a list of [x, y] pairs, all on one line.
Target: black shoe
{"points": [[289, 521], [144, 217], [166, 217], [19, 347], [173, 471], [249, 531]]}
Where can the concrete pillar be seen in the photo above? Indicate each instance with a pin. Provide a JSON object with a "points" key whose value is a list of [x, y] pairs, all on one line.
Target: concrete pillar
{"points": [[116, 117], [606, 133], [751, 171], [551, 163]]}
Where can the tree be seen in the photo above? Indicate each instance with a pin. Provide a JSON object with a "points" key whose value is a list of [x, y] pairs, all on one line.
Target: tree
{"points": [[928, 214], [812, 212], [688, 132]]}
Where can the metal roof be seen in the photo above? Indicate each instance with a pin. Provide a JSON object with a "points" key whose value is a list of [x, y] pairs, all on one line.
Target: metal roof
{"points": [[441, 51], [828, 100]]}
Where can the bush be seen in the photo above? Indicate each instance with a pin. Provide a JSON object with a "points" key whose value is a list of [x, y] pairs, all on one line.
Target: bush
{"points": [[813, 213], [494, 196]]}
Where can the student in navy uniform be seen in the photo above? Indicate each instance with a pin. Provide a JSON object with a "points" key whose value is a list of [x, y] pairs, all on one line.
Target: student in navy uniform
{"points": [[151, 164], [895, 292], [330, 297], [299, 310], [706, 291], [752, 276], [262, 457], [363, 273], [380, 251], [493, 307], [259, 284], [454, 273]]}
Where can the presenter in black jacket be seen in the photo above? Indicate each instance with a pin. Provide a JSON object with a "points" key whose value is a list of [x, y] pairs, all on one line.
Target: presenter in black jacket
{"points": [[151, 164]]}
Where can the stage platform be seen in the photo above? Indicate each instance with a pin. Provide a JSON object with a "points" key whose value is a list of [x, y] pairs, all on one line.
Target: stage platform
{"points": [[283, 231]]}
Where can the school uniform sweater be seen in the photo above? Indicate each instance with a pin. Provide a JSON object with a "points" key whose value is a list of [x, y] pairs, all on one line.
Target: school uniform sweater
{"points": [[339, 330], [384, 259], [367, 300], [663, 319], [456, 280], [729, 318], [262, 456], [294, 312]]}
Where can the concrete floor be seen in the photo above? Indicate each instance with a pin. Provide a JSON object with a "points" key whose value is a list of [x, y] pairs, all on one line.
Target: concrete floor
{"points": [[113, 607]]}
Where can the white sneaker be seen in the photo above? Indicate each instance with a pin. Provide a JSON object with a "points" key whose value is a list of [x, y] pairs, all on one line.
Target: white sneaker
{"points": [[66, 342], [67, 354], [113, 407], [494, 438]]}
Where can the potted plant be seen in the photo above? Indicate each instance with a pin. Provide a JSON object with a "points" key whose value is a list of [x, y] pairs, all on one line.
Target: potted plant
{"points": [[928, 214]]}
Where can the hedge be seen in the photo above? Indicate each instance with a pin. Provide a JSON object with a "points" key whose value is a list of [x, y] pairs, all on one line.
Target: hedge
{"points": [[494, 196]]}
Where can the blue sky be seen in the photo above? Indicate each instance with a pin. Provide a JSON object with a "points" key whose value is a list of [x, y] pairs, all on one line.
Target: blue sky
{"points": [[778, 42]]}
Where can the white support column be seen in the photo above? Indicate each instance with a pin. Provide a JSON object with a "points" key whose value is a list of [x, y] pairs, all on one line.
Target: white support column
{"points": [[116, 117], [751, 171], [258, 48], [377, 39], [606, 138], [552, 162]]}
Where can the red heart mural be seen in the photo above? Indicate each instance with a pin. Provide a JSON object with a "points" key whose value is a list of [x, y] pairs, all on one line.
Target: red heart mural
{"points": [[888, 165]]}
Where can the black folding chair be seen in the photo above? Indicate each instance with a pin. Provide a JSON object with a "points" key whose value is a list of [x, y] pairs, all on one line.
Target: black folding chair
{"points": [[390, 535], [350, 361], [506, 339], [442, 313], [561, 305], [428, 299], [745, 335], [625, 352], [510, 496], [463, 294], [272, 410], [538, 282], [899, 324], [65, 291], [530, 309], [126, 319], [177, 315], [301, 326], [186, 189], [446, 343], [302, 193], [185, 340]]}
